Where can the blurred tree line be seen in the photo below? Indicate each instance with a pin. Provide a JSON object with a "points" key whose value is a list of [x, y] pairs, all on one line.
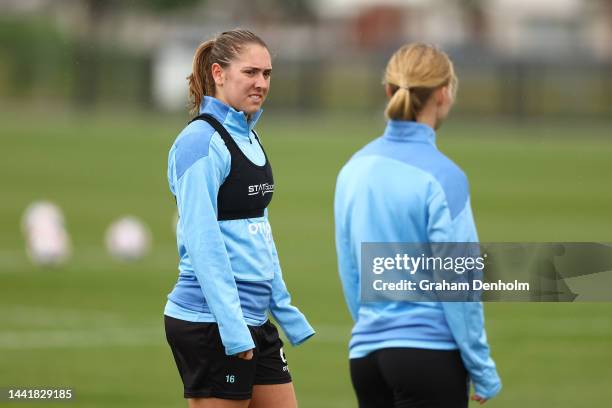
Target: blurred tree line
{"points": [[39, 63]]}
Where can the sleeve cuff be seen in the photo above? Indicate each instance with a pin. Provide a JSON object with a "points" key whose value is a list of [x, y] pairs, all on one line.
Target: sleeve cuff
{"points": [[239, 349], [488, 391], [297, 340]]}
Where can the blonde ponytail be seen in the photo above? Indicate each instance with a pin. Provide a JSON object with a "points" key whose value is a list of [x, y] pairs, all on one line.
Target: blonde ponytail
{"points": [[412, 74], [398, 106]]}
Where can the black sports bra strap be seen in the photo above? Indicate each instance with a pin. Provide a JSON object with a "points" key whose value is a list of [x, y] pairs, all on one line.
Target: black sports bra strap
{"points": [[247, 190], [229, 141], [260, 145]]}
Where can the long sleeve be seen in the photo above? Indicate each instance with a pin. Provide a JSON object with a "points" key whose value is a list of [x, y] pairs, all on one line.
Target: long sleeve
{"points": [[293, 322], [196, 193], [465, 319], [347, 267]]}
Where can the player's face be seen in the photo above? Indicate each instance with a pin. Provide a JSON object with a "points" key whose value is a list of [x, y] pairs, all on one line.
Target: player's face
{"points": [[245, 83]]}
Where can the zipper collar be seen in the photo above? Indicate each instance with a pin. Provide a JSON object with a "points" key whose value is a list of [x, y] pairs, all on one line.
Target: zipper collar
{"points": [[410, 132], [236, 123]]}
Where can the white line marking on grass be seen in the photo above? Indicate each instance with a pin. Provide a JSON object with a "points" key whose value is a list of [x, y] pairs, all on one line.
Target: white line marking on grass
{"points": [[16, 260], [154, 335], [118, 336], [48, 339], [37, 327], [41, 317]]}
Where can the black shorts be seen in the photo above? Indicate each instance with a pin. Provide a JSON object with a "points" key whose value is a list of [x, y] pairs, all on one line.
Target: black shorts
{"points": [[410, 377], [207, 371]]}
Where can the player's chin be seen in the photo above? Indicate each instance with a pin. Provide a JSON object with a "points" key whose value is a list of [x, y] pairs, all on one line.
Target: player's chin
{"points": [[253, 107]]}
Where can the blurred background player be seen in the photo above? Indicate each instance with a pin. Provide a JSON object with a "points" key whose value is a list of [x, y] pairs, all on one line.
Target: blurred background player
{"points": [[227, 351], [401, 188]]}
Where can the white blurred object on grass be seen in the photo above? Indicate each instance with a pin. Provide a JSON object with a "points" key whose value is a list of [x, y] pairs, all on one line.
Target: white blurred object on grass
{"points": [[128, 239], [47, 241]]}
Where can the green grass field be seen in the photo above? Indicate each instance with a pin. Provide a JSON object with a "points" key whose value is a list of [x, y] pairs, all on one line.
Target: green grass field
{"points": [[95, 325]]}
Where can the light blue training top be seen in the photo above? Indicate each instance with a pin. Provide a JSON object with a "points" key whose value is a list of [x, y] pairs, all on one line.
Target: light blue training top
{"points": [[401, 188], [229, 271]]}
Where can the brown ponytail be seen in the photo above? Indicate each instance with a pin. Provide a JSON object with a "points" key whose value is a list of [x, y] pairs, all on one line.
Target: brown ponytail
{"points": [[221, 50], [200, 81]]}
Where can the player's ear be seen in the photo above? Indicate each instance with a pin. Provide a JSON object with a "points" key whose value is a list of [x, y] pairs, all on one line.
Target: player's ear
{"points": [[441, 95], [217, 74]]}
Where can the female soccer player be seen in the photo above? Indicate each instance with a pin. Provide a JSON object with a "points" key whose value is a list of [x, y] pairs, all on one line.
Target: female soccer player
{"points": [[227, 351], [401, 188]]}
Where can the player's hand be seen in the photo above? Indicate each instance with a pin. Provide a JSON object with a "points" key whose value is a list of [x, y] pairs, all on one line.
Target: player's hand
{"points": [[245, 355], [478, 398]]}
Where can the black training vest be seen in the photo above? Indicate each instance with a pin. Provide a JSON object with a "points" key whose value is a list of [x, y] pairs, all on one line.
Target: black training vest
{"points": [[248, 188]]}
